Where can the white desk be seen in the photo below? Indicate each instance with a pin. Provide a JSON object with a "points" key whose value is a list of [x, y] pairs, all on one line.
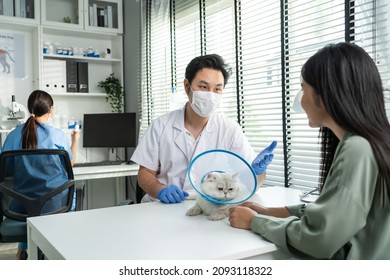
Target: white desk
{"points": [[151, 231], [106, 171]]}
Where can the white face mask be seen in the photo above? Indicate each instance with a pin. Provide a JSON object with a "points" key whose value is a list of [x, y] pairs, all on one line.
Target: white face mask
{"points": [[204, 103], [297, 108]]}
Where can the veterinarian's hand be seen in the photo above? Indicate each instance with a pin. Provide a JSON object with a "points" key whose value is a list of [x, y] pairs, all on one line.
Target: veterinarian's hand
{"points": [[241, 217], [264, 158], [171, 194]]}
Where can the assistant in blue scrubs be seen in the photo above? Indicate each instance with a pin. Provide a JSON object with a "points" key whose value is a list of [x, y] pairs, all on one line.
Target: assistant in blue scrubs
{"points": [[37, 134]]}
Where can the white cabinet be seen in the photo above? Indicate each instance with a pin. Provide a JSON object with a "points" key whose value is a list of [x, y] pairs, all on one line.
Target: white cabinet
{"points": [[67, 14], [79, 43], [20, 11], [70, 41], [94, 16], [69, 35], [62, 25], [25, 38]]}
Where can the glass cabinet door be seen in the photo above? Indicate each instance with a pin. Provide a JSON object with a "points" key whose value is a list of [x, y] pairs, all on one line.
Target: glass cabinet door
{"points": [[19, 10], [63, 13], [104, 16]]}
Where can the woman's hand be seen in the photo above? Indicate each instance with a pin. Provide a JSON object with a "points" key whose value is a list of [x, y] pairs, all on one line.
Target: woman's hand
{"points": [[74, 145], [280, 212], [255, 207], [75, 135], [241, 217]]}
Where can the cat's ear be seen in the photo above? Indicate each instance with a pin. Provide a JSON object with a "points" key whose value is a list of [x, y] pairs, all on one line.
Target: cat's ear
{"points": [[235, 176], [211, 177]]}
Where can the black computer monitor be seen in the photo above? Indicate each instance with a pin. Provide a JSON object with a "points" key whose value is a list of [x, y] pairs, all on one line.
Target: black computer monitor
{"points": [[111, 130]]}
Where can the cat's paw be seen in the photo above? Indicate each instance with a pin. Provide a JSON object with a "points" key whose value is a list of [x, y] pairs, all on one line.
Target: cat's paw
{"points": [[192, 194], [216, 216], [196, 210]]}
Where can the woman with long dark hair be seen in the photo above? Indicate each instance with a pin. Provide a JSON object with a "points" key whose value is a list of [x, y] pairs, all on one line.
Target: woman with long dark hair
{"points": [[343, 95], [35, 133]]}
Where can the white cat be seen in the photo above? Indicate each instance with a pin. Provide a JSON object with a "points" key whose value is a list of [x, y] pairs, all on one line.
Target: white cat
{"points": [[220, 186]]}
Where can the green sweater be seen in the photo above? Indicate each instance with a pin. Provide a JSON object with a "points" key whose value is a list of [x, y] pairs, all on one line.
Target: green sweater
{"points": [[348, 220]]}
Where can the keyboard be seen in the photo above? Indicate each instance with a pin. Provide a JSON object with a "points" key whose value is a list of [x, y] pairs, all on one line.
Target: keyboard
{"points": [[100, 163]]}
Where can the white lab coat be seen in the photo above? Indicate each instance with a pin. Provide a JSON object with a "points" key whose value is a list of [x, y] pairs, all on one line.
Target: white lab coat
{"points": [[163, 148]]}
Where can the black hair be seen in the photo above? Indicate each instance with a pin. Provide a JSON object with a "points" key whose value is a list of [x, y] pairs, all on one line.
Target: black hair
{"points": [[212, 61], [349, 84], [39, 103]]}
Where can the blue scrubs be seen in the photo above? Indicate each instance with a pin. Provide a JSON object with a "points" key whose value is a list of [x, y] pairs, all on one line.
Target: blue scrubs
{"points": [[49, 137]]}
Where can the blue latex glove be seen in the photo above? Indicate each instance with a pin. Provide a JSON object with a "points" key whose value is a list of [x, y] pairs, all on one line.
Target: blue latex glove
{"points": [[172, 194], [264, 158]]}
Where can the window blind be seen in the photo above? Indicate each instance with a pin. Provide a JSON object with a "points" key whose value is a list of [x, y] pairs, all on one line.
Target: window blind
{"points": [[308, 26], [260, 80], [370, 29], [156, 82], [219, 38], [266, 43], [186, 26]]}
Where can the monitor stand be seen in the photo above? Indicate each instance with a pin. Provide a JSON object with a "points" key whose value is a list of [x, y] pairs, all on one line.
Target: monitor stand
{"points": [[112, 154]]}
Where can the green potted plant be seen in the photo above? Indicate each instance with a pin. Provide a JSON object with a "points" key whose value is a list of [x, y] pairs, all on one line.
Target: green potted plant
{"points": [[114, 91]]}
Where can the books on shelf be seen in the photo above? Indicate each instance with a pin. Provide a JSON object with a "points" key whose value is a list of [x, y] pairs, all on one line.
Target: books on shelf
{"points": [[109, 17], [8, 8], [29, 8], [100, 16], [94, 14], [82, 77], [17, 8], [54, 75], [91, 16]]}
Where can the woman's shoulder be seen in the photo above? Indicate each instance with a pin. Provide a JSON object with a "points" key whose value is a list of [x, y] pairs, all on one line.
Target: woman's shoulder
{"points": [[52, 128], [52, 131], [13, 139], [356, 147], [356, 142], [16, 132]]}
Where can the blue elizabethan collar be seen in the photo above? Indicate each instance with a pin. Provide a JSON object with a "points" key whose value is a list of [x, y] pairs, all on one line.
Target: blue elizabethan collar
{"points": [[222, 161]]}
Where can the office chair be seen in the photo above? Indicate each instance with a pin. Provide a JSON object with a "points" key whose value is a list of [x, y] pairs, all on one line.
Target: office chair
{"points": [[33, 183]]}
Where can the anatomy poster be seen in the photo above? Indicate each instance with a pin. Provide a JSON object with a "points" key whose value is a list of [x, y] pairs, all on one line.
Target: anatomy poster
{"points": [[12, 55]]}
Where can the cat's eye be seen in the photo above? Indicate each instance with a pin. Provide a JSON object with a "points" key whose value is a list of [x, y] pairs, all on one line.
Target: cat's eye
{"points": [[220, 189]]}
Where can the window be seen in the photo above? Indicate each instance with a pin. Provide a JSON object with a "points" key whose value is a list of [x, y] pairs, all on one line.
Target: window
{"points": [[266, 44]]}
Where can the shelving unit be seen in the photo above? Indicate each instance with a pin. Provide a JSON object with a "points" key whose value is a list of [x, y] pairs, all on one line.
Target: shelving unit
{"points": [[78, 36], [66, 24], [49, 27], [76, 94], [92, 59]]}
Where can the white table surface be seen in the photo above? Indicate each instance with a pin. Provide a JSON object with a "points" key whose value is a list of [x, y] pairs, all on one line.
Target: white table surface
{"points": [[151, 231]]}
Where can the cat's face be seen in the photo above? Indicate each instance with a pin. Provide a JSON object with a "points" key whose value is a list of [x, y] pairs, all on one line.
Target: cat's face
{"points": [[221, 186]]}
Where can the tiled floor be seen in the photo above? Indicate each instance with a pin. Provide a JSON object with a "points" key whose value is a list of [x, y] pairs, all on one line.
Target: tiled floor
{"points": [[8, 251]]}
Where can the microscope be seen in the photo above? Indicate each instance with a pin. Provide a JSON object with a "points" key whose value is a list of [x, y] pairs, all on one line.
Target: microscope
{"points": [[18, 111], [18, 114]]}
